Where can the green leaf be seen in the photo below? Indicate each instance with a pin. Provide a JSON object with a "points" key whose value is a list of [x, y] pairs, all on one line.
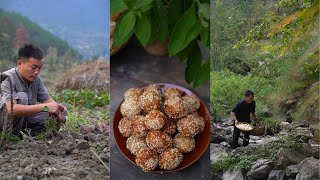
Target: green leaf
{"points": [[160, 17], [143, 30], [144, 5], [193, 63], [124, 28], [175, 10], [185, 30], [203, 74], [130, 3], [205, 37], [204, 11], [117, 6], [45, 109]]}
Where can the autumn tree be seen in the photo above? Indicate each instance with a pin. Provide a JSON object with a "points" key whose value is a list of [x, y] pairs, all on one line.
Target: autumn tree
{"points": [[22, 36]]}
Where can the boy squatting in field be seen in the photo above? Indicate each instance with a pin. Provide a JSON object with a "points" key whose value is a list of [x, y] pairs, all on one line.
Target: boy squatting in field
{"points": [[27, 90], [241, 113]]}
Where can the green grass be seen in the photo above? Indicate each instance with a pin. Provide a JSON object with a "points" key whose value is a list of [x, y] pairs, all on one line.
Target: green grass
{"points": [[228, 88], [85, 107]]}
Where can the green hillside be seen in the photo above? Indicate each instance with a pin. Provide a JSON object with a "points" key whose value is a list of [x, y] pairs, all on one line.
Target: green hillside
{"points": [[16, 30]]}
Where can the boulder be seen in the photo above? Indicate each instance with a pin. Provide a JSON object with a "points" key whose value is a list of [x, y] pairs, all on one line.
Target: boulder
{"points": [[286, 157], [276, 175], [309, 151], [260, 169], [308, 169], [216, 150], [217, 138], [298, 124], [235, 174], [292, 171]]}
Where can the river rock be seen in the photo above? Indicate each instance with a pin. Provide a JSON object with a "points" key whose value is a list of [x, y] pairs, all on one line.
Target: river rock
{"points": [[292, 171], [308, 169], [216, 150], [235, 174], [287, 156], [260, 169], [276, 175]]}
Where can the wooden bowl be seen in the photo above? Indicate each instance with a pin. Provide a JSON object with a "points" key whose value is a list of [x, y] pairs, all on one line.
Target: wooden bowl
{"points": [[202, 140]]}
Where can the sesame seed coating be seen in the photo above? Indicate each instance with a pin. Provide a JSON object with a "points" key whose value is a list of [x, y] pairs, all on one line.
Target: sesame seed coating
{"points": [[138, 127], [147, 159], [199, 121], [154, 120], [135, 143], [125, 127], [130, 108], [149, 100], [170, 92], [158, 141], [187, 126], [175, 107], [192, 102], [170, 159], [183, 143], [133, 93], [169, 126]]}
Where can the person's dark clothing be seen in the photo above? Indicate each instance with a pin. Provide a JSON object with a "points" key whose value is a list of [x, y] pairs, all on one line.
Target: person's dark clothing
{"points": [[242, 112]]}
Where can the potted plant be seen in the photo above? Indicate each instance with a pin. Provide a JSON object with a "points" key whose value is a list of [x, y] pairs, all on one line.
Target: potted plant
{"points": [[175, 27]]}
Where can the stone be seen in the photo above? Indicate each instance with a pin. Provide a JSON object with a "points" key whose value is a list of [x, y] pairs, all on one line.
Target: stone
{"points": [[309, 151], [91, 137], [296, 124], [266, 113], [276, 175], [216, 138], [260, 169], [290, 103], [292, 171], [83, 144], [316, 136], [286, 157], [225, 144], [235, 174], [308, 169], [216, 150]]}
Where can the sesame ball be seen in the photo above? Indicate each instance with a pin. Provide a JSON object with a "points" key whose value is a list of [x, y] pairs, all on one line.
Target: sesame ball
{"points": [[138, 127], [183, 143], [170, 159], [158, 141], [199, 121], [149, 100], [188, 126], [133, 93], [169, 126], [192, 103], [135, 143], [125, 127], [170, 92], [147, 159], [130, 108], [175, 107], [155, 88], [154, 120]]}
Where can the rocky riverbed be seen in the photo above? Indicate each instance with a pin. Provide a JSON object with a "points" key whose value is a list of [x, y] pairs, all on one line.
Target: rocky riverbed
{"points": [[272, 156]]}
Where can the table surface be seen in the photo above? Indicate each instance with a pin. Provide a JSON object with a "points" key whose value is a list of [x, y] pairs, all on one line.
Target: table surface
{"points": [[133, 67]]}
